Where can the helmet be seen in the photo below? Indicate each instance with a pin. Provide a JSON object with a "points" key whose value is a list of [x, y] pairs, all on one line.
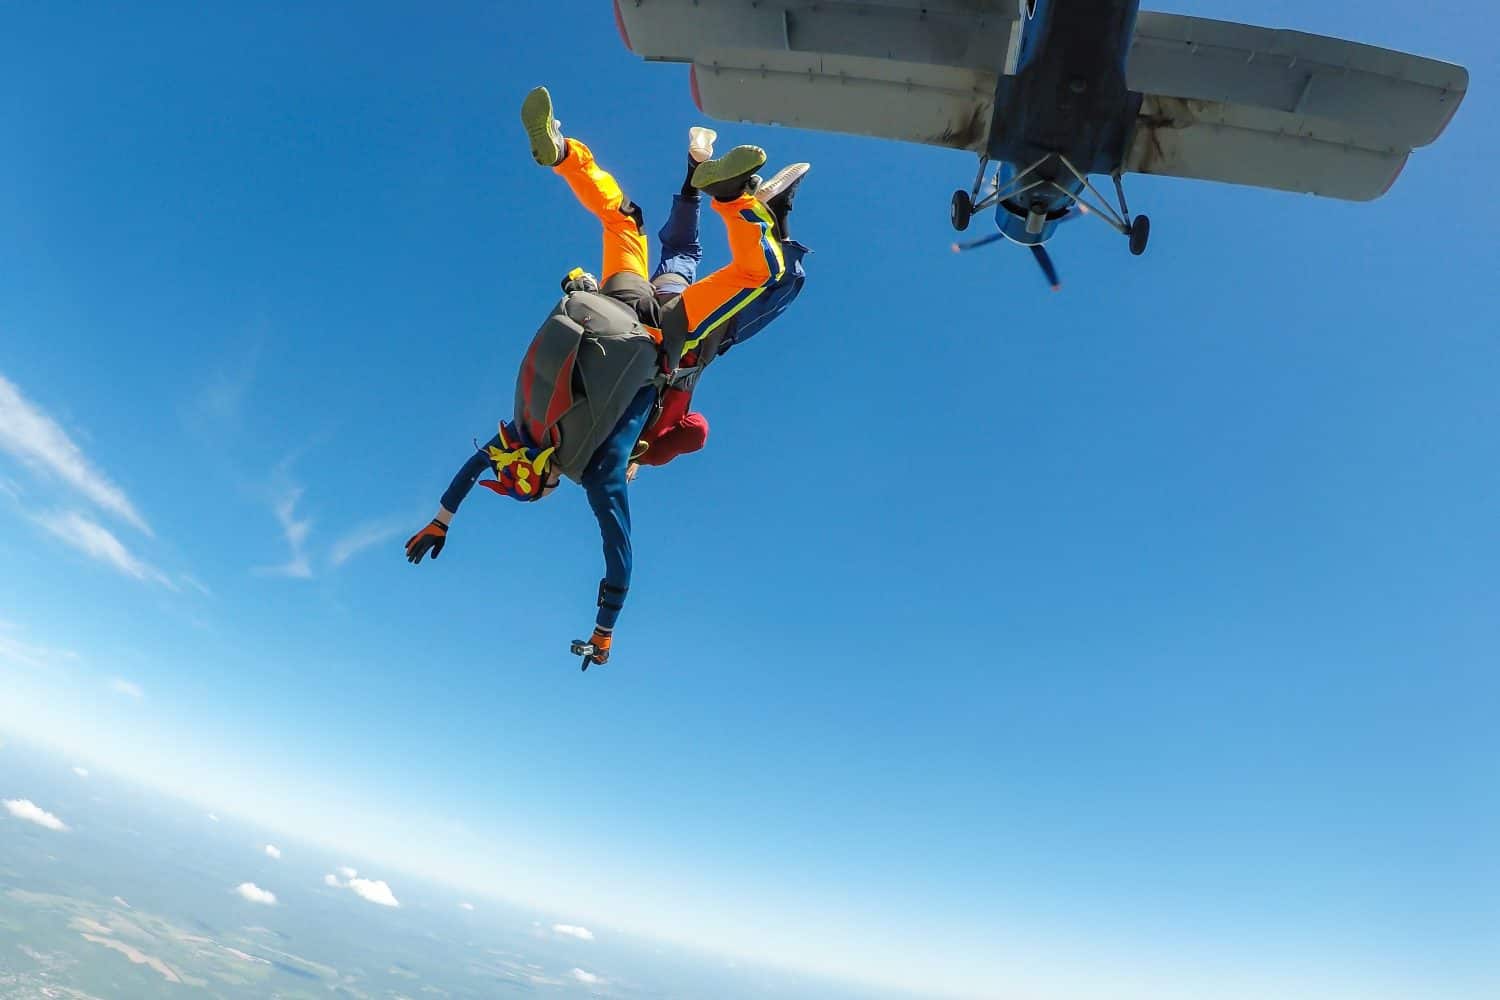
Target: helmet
{"points": [[521, 472]]}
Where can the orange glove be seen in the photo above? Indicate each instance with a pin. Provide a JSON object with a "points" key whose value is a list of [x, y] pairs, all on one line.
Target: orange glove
{"points": [[430, 538], [600, 640], [596, 650]]}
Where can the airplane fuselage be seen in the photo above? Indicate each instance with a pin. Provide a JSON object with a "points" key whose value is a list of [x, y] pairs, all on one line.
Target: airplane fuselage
{"points": [[1068, 98]]}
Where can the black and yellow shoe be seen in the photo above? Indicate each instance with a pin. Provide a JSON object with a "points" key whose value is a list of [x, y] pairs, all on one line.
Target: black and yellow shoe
{"points": [[547, 144], [778, 192], [731, 175]]}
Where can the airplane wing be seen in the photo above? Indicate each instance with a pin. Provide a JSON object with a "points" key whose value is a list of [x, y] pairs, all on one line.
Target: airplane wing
{"points": [[1281, 109], [915, 70]]}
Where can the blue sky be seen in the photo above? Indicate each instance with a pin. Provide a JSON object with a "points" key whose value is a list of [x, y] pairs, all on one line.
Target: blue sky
{"points": [[998, 640]]}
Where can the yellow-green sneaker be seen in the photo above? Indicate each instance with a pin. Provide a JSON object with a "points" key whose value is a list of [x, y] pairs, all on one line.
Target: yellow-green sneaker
{"points": [[545, 132], [730, 176]]}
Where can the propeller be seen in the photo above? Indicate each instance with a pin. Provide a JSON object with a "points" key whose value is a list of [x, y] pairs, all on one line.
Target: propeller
{"points": [[1044, 260], [983, 241], [1038, 252]]}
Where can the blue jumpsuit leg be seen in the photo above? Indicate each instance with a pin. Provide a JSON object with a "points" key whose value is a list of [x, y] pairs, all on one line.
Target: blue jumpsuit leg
{"points": [[608, 492], [681, 253]]}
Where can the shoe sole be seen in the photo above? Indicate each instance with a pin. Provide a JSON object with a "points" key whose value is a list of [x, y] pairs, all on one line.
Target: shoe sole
{"points": [[708, 136], [738, 162], [782, 181], [536, 115]]}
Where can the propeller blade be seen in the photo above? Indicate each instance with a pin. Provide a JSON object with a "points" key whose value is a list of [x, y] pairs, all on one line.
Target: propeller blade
{"points": [[981, 242], [1044, 260]]}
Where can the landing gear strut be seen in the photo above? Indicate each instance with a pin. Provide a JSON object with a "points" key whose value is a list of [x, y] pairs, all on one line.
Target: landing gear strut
{"points": [[1137, 230], [966, 203]]}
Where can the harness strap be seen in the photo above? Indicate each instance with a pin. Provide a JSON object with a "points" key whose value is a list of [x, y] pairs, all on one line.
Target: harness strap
{"points": [[605, 593]]}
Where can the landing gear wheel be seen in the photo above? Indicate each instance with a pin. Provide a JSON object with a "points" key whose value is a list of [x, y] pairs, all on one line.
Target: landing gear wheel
{"points": [[1140, 234], [961, 211]]}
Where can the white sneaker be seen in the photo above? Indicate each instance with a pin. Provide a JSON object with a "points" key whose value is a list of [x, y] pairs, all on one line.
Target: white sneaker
{"points": [[781, 181], [701, 143]]}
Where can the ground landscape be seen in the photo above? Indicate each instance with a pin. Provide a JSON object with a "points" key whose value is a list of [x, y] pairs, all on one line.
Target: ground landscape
{"points": [[109, 892]]}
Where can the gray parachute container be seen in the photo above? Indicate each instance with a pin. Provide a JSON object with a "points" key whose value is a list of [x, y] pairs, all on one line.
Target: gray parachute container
{"points": [[586, 363]]}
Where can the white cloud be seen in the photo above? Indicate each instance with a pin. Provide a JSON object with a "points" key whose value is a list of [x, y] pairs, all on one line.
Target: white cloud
{"points": [[255, 894], [365, 536], [213, 818], [122, 902], [376, 892], [284, 506], [33, 813], [273, 852], [38, 441], [82, 772], [466, 906], [121, 686], [581, 933], [586, 977], [100, 544], [18, 653], [370, 890]]}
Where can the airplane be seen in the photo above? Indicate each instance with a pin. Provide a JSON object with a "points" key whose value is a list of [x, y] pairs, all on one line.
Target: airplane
{"points": [[1055, 92]]}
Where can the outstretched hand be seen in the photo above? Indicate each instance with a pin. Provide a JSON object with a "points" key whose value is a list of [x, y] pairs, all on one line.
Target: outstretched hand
{"points": [[596, 650], [429, 539]]}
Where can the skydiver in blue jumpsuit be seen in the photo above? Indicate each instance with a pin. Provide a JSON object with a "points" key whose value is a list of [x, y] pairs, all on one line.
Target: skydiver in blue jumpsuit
{"points": [[730, 182]]}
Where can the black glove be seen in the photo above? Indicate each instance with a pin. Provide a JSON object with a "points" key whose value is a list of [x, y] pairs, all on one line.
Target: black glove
{"points": [[429, 539]]}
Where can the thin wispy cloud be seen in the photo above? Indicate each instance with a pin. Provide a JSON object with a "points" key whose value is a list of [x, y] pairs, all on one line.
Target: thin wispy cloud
{"points": [[365, 536], [466, 906], [587, 977], [130, 689], [196, 584], [100, 544], [294, 531], [570, 930], [15, 652], [255, 894], [31, 436], [82, 772], [273, 852], [25, 809], [371, 890]]}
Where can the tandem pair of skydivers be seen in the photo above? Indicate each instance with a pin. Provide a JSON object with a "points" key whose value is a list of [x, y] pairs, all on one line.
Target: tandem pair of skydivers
{"points": [[606, 385]]}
